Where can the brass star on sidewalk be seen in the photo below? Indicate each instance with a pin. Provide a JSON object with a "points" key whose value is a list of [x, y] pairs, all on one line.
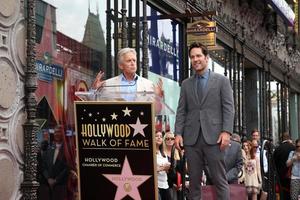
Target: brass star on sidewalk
{"points": [[127, 183]]}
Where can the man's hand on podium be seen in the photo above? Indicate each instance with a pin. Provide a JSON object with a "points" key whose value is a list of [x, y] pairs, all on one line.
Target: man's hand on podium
{"points": [[98, 82]]}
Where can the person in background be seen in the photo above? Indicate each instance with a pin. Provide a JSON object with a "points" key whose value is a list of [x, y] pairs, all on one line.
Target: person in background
{"points": [[55, 168], [174, 158], [246, 145], [43, 190], [204, 123], [255, 135], [236, 137], [233, 160], [281, 155], [294, 162], [129, 81], [163, 166], [253, 178]]}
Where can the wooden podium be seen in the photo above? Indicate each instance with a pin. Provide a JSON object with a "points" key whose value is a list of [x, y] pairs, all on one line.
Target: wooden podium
{"points": [[116, 152]]}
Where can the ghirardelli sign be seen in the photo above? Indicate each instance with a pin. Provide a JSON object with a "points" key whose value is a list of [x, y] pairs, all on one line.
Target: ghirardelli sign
{"points": [[202, 27], [203, 31]]}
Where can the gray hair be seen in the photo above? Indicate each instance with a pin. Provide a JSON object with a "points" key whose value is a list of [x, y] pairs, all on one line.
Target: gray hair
{"points": [[236, 137], [124, 51]]}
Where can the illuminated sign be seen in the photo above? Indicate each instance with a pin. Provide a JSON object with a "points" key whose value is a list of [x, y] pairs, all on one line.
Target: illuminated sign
{"points": [[202, 31]]}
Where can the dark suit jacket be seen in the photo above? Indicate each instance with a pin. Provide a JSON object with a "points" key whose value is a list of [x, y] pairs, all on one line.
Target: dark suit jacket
{"points": [[233, 161], [59, 170], [281, 155], [214, 112]]}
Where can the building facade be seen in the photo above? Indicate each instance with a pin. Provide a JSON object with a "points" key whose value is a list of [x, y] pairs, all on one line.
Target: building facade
{"points": [[50, 49]]}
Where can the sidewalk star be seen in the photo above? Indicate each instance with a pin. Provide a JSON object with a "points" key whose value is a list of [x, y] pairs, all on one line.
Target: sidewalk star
{"points": [[126, 182]]}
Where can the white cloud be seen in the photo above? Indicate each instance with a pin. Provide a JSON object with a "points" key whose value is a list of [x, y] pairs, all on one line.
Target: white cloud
{"points": [[71, 16]]}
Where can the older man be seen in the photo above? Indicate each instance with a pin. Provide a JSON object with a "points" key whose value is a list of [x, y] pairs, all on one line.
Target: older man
{"points": [[128, 81]]}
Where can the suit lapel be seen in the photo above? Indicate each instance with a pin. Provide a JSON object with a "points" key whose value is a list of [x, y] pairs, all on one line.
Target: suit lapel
{"points": [[195, 87]]}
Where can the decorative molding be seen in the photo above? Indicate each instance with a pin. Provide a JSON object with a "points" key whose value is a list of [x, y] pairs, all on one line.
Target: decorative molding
{"points": [[3, 40], [12, 94], [16, 140], [18, 39], [10, 85], [9, 12], [10, 174], [3, 132], [30, 185], [234, 15]]}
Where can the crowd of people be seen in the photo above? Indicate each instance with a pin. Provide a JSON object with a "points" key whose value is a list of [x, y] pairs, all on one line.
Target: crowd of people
{"points": [[287, 162], [242, 162]]}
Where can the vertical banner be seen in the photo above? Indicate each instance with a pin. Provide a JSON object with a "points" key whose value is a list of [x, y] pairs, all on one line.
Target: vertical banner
{"points": [[115, 150]]}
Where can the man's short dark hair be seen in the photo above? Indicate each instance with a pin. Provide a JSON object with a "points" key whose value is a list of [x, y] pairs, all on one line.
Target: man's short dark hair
{"points": [[198, 45], [255, 130]]}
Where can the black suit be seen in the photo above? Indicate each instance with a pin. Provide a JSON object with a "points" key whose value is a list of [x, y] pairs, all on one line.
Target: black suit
{"points": [[233, 162], [59, 171], [281, 155]]}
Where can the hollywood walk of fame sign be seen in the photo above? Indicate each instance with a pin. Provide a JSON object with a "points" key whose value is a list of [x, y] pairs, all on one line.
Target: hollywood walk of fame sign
{"points": [[116, 150]]}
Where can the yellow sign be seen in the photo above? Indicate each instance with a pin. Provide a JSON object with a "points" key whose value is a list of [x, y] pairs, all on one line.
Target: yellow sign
{"points": [[202, 31]]}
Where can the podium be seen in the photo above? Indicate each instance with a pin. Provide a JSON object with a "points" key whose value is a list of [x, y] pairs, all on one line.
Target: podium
{"points": [[116, 152], [161, 108]]}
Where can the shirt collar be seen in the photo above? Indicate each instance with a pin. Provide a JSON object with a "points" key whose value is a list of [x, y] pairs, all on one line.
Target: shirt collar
{"points": [[205, 75], [123, 78]]}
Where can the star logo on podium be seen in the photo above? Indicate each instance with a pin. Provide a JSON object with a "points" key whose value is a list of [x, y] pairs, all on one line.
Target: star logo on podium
{"points": [[126, 112], [114, 116], [127, 182], [138, 127]]}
